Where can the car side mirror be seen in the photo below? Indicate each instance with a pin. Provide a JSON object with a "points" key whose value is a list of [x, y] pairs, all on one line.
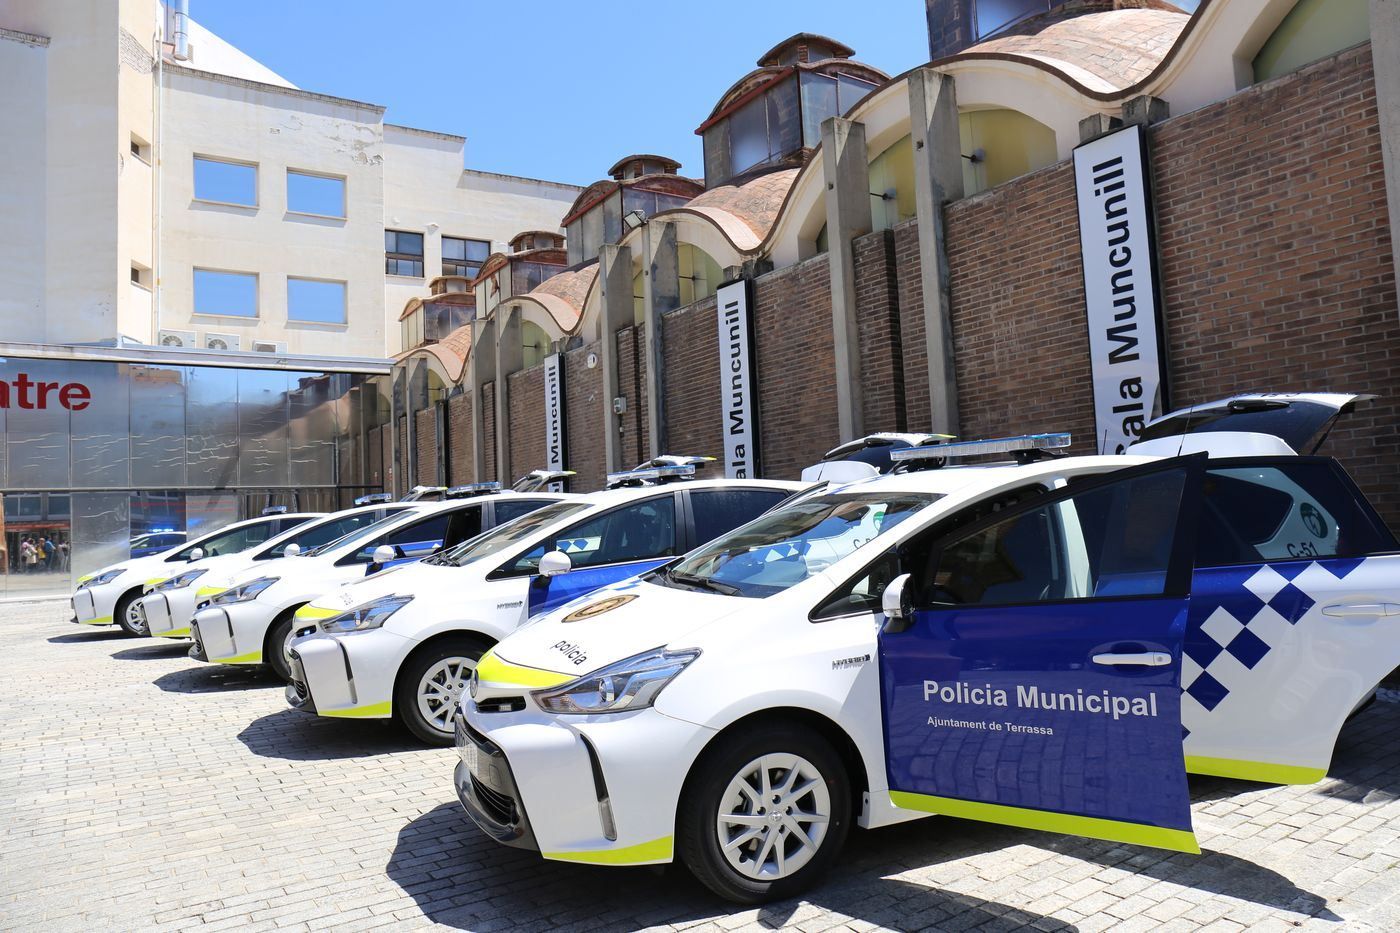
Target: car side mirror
{"points": [[554, 563], [197, 554], [897, 603], [383, 554], [291, 550]]}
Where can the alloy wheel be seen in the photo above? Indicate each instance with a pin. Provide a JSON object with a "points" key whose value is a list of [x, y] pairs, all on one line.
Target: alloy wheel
{"points": [[136, 618], [440, 690], [773, 816]]}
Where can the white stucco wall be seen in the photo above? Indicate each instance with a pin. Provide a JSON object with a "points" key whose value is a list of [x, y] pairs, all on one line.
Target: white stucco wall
{"points": [[276, 129]]}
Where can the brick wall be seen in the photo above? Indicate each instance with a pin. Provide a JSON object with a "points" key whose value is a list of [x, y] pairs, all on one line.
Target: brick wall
{"points": [[402, 480], [583, 416], [1276, 255], [425, 429], [909, 295], [459, 440], [1275, 261], [1019, 340], [631, 385], [488, 424], [796, 367], [877, 307], [690, 381], [526, 404]]}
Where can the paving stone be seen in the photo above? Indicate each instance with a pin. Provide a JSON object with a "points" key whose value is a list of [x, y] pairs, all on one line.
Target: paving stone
{"points": [[176, 795]]}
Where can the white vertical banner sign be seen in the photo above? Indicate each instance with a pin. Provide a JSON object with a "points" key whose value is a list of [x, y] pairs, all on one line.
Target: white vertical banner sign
{"points": [[555, 438], [738, 392], [1122, 291]]}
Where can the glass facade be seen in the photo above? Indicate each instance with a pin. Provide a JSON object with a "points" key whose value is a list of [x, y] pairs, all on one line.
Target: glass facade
{"points": [[96, 454]]}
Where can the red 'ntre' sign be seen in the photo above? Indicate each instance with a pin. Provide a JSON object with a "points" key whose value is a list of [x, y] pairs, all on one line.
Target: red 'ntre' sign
{"points": [[22, 392]]}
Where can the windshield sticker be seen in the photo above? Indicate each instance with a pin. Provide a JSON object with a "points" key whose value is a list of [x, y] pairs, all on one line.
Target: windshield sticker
{"points": [[600, 607]]}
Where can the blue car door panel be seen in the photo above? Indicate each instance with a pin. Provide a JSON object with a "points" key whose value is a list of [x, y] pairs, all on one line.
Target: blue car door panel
{"points": [[548, 592], [1037, 683]]}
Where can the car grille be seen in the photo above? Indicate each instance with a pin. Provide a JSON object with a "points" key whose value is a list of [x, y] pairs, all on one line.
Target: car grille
{"points": [[500, 807], [194, 636]]}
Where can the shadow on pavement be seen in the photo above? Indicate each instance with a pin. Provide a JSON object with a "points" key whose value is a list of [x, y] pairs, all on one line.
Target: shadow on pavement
{"points": [[154, 650], [461, 879], [216, 678], [105, 633], [296, 736]]}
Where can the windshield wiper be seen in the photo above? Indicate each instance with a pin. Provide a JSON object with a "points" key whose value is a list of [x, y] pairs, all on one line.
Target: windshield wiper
{"points": [[702, 583]]}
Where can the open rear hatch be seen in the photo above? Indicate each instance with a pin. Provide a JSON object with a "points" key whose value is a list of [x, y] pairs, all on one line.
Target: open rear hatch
{"points": [[1254, 424]]}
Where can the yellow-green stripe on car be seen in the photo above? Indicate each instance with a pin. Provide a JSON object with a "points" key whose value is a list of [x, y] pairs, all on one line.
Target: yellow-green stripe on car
{"points": [[1261, 771], [1178, 840], [252, 657], [368, 711], [491, 669], [173, 633], [86, 577], [100, 620], [204, 591], [309, 613], [657, 850]]}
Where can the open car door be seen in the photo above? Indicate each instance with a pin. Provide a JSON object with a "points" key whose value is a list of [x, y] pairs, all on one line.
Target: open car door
{"points": [[1035, 678]]}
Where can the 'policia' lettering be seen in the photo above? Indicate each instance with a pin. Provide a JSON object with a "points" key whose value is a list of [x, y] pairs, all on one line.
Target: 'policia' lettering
{"points": [[1032, 697]]}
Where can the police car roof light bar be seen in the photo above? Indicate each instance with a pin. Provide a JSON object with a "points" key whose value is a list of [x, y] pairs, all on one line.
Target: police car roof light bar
{"points": [[536, 480], [1023, 448], [467, 490], [643, 475], [275, 510], [374, 498]]}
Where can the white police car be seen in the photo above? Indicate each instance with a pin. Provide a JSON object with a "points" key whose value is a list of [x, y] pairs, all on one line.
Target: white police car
{"points": [[169, 604], [110, 595], [405, 643], [249, 621], [1026, 643]]}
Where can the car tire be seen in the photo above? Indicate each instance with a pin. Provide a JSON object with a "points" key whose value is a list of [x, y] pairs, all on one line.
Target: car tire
{"points": [[729, 780], [272, 646], [127, 615], [430, 683]]}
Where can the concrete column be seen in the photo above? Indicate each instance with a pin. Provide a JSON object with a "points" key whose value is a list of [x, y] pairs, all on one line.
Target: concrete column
{"points": [[846, 166], [661, 292], [1096, 125], [1385, 63], [1146, 110], [482, 369], [510, 358], [397, 378], [938, 179], [615, 277]]}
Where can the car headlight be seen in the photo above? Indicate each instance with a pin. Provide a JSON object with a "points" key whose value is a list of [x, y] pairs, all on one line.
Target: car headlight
{"points": [[632, 683], [101, 578], [243, 592], [178, 582], [370, 615]]}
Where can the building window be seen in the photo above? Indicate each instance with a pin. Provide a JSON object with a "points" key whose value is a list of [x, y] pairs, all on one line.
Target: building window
{"points": [[141, 149], [140, 275], [892, 185], [463, 257], [233, 294], [699, 274], [318, 301], [225, 182], [308, 193], [1312, 30], [1006, 144], [403, 253], [995, 15]]}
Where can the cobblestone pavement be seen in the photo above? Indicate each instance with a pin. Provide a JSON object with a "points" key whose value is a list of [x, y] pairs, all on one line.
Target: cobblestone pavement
{"points": [[140, 789]]}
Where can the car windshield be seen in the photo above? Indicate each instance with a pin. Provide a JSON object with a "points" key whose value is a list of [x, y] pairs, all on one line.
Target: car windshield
{"points": [[355, 534], [792, 543], [504, 537]]}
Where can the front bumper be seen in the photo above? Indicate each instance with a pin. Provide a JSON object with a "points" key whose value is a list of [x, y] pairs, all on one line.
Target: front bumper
{"points": [[168, 612], [598, 789], [94, 605], [348, 676], [233, 633]]}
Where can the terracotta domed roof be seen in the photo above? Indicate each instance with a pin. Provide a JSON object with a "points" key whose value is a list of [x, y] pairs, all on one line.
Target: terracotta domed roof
{"points": [[746, 211]]}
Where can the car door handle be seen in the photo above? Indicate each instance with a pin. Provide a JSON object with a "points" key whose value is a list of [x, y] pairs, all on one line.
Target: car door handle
{"points": [[1352, 610], [1145, 658]]}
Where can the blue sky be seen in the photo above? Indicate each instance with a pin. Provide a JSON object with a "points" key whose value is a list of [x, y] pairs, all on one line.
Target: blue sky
{"points": [[556, 89]]}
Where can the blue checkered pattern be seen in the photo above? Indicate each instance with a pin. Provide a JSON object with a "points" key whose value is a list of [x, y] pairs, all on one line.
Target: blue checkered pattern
{"points": [[1238, 615], [576, 545]]}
